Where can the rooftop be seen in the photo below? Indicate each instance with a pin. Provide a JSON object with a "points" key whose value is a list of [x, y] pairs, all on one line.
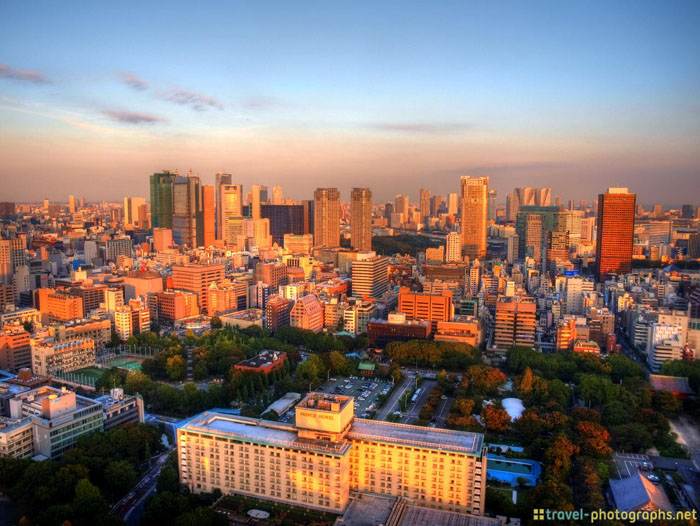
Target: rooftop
{"points": [[635, 492], [672, 384], [325, 402], [435, 438], [266, 357], [259, 431]]}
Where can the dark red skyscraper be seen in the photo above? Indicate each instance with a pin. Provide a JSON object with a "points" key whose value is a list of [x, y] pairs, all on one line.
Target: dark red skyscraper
{"points": [[615, 232]]}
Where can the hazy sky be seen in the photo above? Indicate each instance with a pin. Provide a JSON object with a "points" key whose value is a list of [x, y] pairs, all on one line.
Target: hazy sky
{"points": [[95, 96]]}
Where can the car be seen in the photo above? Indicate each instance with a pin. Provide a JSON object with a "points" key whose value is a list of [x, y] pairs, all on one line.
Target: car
{"points": [[432, 424], [443, 397]]}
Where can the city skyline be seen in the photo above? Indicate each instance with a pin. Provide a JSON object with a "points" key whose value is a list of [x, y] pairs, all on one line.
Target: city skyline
{"points": [[366, 95]]}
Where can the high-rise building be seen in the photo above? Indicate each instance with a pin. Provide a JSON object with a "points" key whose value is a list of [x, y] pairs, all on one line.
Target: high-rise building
{"points": [[208, 216], [327, 217], [15, 348], [256, 200], [12, 256], [516, 322], [401, 207], [492, 205], [162, 239], [197, 279], [452, 203], [453, 248], [688, 211], [615, 232], [361, 219], [71, 204], [307, 313], [528, 197], [424, 205], [284, 219], [120, 246], [162, 199], [354, 454], [133, 213], [429, 307], [299, 243], [221, 180], [474, 192], [277, 311], [188, 223], [370, 277], [277, 196]]}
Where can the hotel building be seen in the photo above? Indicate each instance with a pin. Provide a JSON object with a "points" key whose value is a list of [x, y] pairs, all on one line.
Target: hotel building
{"points": [[327, 454]]}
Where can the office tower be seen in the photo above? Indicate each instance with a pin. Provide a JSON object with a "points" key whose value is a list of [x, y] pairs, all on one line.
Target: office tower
{"points": [[401, 207], [15, 348], [187, 223], [658, 210], [277, 311], [162, 199], [429, 307], [197, 279], [557, 251], [92, 294], [452, 203], [361, 219], [615, 232], [388, 210], [326, 438], [575, 290], [46, 204], [557, 200], [277, 197], [273, 274], [221, 180], [133, 214], [231, 207], [284, 219], [257, 233], [516, 322], [7, 210], [435, 205], [528, 197], [531, 237], [492, 205], [162, 239], [255, 200], [453, 248], [208, 215], [327, 217], [474, 191], [117, 247], [424, 206], [370, 277], [12, 256], [57, 306], [71, 204], [582, 204], [82, 202]]}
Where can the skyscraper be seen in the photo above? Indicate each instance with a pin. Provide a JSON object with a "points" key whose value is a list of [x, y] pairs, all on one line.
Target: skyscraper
{"points": [[452, 203], [361, 222], [256, 200], [132, 209], [71, 204], [277, 197], [187, 218], [370, 277], [284, 219], [474, 192], [327, 217], [208, 216], [402, 207], [162, 199], [492, 205], [615, 232], [221, 180], [424, 206]]}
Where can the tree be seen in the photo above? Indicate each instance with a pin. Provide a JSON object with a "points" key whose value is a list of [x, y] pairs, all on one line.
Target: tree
{"points": [[495, 418], [216, 322], [88, 504], [557, 457], [665, 403], [526, 380], [120, 477], [176, 367], [200, 371], [593, 439]]}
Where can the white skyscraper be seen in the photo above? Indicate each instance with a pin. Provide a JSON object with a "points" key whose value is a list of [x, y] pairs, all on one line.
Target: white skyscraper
{"points": [[453, 247]]}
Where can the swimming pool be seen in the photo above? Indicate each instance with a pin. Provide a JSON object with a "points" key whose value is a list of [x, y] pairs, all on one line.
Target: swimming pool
{"points": [[509, 470]]}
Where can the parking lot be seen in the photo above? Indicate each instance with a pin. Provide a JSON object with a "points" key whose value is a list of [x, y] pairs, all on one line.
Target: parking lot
{"points": [[629, 464], [365, 390]]}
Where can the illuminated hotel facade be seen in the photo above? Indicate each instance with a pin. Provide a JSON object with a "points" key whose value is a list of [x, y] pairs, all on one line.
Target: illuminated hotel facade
{"points": [[327, 454]]}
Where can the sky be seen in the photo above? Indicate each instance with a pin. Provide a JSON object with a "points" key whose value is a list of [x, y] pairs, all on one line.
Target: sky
{"points": [[576, 96]]}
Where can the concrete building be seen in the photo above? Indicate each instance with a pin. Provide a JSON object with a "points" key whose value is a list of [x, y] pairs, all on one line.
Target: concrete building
{"points": [[16, 437], [615, 232], [430, 307], [464, 329], [307, 313], [172, 305], [361, 219], [396, 329], [357, 316], [197, 279], [263, 363], [327, 217], [327, 453], [277, 311], [474, 191], [453, 247], [59, 417], [50, 357], [162, 239], [119, 409], [516, 321], [15, 348], [57, 306], [298, 243], [227, 295], [370, 277]]}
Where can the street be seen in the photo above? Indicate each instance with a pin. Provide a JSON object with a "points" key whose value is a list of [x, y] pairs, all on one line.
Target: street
{"points": [[146, 485]]}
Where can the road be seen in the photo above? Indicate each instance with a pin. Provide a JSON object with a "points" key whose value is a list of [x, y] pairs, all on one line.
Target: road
{"points": [[413, 410], [392, 404], [688, 432], [143, 488], [443, 410]]}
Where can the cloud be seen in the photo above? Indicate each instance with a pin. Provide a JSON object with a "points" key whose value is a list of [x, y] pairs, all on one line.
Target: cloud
{"points": [[6, 72], [258, 102], [133, 81], [197, 101], [132, 117], [426, 128]]}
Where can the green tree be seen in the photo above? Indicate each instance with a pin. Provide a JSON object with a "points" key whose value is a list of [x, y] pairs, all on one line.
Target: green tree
{"points": [[176, 367], [120, 477], [665, 403]]}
